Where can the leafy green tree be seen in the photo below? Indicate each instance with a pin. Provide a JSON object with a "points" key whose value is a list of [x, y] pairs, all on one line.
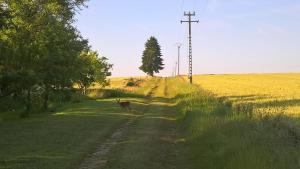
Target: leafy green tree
{"points": [[57, 67], [4, 15], [39, 46], [59, 48], [92, 69], [41, 49], [152, 61], [18, 53], [5, 79]]}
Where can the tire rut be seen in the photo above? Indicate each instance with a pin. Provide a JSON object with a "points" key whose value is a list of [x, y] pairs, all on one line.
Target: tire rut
{"points": [[153, 89], [98, 159]]}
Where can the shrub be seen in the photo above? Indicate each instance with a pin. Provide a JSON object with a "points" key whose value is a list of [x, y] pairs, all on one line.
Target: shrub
{"points": [[77, 97], [131, 82]]}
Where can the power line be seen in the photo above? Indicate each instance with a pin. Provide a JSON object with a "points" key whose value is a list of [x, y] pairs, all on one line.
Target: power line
{"points": [[203, 8], [190, 21], [182, 5], [194, 4], [180, 17]]}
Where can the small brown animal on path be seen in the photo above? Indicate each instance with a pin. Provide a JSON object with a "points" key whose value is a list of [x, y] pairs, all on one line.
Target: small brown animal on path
{"points": [[124, 104]]}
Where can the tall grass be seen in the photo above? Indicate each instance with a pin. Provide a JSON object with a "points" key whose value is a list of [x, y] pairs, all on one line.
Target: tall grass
{"points": [[220, 134]]}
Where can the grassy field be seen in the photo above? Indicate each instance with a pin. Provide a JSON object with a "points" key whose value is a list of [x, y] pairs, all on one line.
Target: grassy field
{"points": [[65, 138], [58, 140], [216, 124]]}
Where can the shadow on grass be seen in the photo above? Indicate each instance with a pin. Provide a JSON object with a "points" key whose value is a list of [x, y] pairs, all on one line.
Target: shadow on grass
{"points": [[279, 103], [223, 143], [247, 97], [111, 93], [71, 133], [219, 135], [254, 100]]}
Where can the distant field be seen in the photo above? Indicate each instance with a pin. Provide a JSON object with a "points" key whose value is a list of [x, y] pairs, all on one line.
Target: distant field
{"points": [[119, 85], [268, 93], [120, 82]]}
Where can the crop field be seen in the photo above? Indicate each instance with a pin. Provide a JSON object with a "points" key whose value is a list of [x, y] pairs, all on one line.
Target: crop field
{"points": [[120, 82], [267, 93], [213, 124]]}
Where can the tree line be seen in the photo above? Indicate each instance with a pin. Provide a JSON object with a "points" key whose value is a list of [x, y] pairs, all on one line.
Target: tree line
{"points": [[41, 50]]}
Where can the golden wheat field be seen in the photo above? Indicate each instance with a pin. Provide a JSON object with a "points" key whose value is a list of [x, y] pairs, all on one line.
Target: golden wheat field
{"points": [[120, 82], [268, 93]]}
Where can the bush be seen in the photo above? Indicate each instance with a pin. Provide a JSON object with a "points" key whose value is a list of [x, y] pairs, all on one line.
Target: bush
{"points": [[63, 95], [77, 97], [131, 82]]}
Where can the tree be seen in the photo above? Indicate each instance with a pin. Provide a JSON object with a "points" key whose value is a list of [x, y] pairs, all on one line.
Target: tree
{"points": [[151, 60], [4, 14], [59, 47], [39, 46], [18, 44], [41, 49], [92, 68]]}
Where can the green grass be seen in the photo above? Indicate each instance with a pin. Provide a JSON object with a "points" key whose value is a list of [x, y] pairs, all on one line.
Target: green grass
{"points": [[58, 140], [64, 138], [177, 125], [151, 141]]}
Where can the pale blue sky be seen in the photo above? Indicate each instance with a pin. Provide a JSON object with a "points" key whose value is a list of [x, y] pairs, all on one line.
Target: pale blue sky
{"points": [[233, 36]]}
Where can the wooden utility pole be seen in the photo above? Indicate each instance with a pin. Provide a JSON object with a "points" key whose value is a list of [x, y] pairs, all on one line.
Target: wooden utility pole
{"points": [[189, 15]]}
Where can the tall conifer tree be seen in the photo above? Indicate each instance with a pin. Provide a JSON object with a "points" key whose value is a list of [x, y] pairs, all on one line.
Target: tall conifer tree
{"points": [[152, 61]]}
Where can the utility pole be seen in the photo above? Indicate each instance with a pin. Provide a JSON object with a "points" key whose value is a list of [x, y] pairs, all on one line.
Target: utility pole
{"points": [[178, 61], [175, 68], [190, 21]]}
